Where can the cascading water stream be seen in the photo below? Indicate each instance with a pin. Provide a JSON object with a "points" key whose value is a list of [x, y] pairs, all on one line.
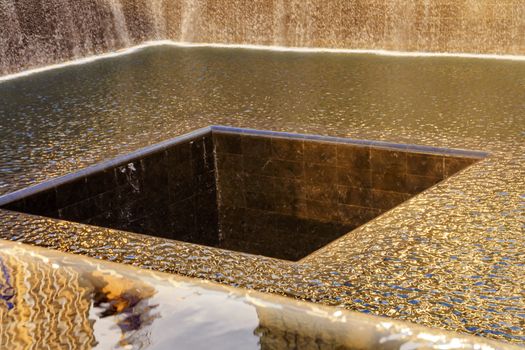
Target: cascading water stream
{"points": [[41, 32], [159, 19], [121, 29], [190, 11]]}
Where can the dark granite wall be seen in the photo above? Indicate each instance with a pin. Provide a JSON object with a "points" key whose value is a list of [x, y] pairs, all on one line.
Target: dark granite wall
{"points": [[171, 194], [260, 193], [304, 194]]}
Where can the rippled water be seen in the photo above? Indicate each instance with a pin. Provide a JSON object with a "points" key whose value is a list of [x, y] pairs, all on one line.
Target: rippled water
{"points": [[85, 304], [57, 121], [451, 257]]}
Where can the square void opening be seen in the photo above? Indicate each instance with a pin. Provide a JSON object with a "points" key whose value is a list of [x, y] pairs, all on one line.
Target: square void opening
{"points": [[274, 194]]}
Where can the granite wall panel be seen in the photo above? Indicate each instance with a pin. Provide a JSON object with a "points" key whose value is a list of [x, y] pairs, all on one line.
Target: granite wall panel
{"points": [[170, 194], [273, 194], [309, 192]]}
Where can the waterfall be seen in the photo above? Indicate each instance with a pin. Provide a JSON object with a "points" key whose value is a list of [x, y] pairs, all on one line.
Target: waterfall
{"points": [[278, 23], [190, 11], [41, 32], [121, 29], [159, 19], [11, 36]]}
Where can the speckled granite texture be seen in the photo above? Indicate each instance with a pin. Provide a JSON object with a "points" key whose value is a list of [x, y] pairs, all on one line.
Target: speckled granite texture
{"points": [[452, 257]]}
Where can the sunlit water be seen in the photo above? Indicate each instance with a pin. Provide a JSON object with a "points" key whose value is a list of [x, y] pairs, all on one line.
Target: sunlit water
{"points": [[52, 300], [450, 258], [60, 120]]}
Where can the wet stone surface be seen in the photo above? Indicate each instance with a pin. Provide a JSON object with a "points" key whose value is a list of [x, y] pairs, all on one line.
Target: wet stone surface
{"points": [[115, 306], [451, 257], [261, 192]]}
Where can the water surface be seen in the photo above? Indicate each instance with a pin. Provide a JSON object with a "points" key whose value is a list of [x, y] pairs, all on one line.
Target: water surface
{"points": [[451, 257], [57, 121]]}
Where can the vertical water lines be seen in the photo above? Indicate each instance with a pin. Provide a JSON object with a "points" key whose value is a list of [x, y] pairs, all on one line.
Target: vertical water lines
{"points": [[399, 24], [158, 17], [279, 23], [189, 14], [66, 36], [119, 21], [301, 14], [294, 22], [11, 38]]}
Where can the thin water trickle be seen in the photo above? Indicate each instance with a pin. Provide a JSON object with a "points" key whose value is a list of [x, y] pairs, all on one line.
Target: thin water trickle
{"points": [[190, 12], [119, 22]]}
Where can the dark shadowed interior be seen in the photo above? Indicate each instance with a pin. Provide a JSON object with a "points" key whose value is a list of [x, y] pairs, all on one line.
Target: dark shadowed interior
{"points": [[274, 194]]}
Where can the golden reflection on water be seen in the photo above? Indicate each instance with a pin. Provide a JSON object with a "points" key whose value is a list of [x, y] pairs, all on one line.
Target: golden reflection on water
{"points": [[451, 257], [51, 300], [53, 306], [29, 321]]}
